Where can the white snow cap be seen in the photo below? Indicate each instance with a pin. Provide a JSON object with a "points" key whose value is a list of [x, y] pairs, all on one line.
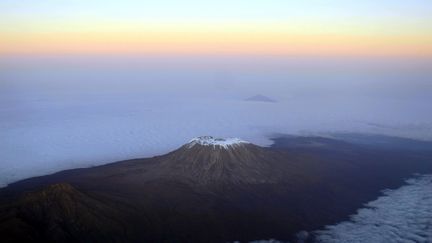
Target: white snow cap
{"points": [[211, 141]]}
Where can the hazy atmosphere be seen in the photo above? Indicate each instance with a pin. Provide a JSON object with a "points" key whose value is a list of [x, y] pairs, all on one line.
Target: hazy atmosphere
{"points": [[87, 83], [64, 112]]}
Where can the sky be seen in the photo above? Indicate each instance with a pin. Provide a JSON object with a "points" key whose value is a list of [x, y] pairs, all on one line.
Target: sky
{"points": [[85, 82], [272, 27]]}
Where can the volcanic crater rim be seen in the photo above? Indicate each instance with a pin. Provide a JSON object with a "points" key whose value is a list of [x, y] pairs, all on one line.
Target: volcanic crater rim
{"points": [[216, 142]]}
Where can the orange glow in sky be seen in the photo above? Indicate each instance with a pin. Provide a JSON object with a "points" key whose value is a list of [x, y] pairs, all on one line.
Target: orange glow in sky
{"points": [[247, 27]]}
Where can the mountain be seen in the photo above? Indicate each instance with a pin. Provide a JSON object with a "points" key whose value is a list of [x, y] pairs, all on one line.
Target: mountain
{"points": [[60, 213], [208, 190], [260, 98], [208, 160]]}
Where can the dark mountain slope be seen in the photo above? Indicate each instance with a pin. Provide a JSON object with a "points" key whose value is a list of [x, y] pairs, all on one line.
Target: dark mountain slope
{"points": [[60, 213], [209, 190]]}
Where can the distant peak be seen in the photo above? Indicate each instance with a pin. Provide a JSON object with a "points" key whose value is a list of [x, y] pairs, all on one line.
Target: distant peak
{"points": [[216, 142], [260, 98]]}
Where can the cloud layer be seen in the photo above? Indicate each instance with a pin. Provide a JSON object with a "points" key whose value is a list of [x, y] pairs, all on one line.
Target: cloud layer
{"points": [[59, 113], [401, 215]]}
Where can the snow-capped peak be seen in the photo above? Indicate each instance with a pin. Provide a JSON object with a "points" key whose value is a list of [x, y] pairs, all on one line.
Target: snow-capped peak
{"points": [[221, 142]]}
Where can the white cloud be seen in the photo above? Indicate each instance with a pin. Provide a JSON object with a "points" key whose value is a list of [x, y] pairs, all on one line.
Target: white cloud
{"points": [[62, 113], [401, 215]]}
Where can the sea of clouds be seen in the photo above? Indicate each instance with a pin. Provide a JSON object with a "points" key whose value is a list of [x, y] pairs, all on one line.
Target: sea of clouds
{"points": [[59, 113], [402, 215]]}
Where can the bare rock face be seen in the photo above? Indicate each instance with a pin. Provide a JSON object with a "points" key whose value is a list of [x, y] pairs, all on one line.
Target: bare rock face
{"points": [[207, 160]]}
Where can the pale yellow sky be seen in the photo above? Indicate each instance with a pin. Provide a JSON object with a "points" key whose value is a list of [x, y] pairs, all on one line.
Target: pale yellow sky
{"points": [[392, 28]]}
